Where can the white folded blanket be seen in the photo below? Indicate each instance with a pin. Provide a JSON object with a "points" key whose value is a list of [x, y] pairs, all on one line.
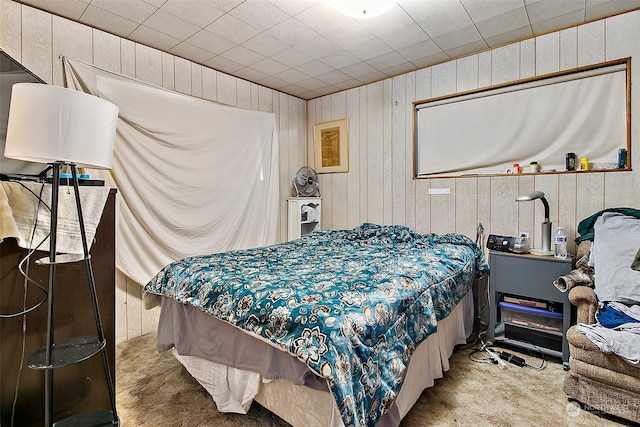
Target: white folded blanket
{"points": [[20, 212], [623, 340]]}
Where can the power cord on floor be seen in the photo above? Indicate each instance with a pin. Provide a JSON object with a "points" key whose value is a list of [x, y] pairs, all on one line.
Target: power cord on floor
{"points": [[475, 357], [520, 362], [488, 354]]}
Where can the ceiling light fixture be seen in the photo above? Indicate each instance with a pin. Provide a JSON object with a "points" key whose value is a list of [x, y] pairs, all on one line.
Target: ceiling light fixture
{"points": [[361, 8]]}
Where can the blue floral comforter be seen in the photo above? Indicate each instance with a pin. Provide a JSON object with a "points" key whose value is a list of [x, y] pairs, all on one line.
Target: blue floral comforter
{"points": [[352, 304]]}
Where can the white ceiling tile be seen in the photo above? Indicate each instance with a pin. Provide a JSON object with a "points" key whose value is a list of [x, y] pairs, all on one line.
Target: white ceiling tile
{"points": [[292, 75], [242, 55], [461, 37], [570, 19], [347, 84], [448, 20], [333, 77], [151, 37], [293, 7], [233, 29], [598, 8], [350, 37], [543, 10], [259, 13], [71, 9], [186, 50], [482, 10], [340, 59], [359, 70], [292, 30], [420, 50], [211, 42], [399, 69], [294, 89], [223, 64], [387, 60], [314, 68], [172, 25], [328, 89], [156, 3], [292, 57], [503, 23], [419, 9], [317, 48], [403, 37], [373, 77], [117, 25], [466, 49], [134, 10], [426, 61], [273, 82], [310, 94], [251, 74], [325, 20], [370, 49], [312, 83], [547, 15], [269, 66], [507, 36], [225, 5], [265, 44], [198, 12]]}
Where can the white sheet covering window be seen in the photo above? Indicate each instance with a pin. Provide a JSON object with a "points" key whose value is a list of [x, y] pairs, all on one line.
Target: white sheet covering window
{"points": [[486, 132], [194, 177]]}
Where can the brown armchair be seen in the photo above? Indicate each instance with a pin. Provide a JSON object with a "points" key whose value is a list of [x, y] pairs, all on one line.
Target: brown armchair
{"points": [[602, 382]]}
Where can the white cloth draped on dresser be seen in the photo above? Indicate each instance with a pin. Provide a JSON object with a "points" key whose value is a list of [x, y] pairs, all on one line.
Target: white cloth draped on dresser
{"points": [[25, 218]]}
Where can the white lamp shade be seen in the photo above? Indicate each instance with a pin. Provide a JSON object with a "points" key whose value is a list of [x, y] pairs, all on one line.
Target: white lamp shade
{"points": [[50, 124]]}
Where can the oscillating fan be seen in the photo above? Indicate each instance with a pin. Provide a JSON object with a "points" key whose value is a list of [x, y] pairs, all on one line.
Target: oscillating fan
{"points": [[306, 182]]}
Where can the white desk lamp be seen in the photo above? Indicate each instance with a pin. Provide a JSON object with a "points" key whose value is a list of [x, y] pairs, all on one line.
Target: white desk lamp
{"points": [[63, 127], [546, 224]]}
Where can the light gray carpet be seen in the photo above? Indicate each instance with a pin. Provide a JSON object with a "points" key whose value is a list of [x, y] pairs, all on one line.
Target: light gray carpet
{"points": [[155, 390]]}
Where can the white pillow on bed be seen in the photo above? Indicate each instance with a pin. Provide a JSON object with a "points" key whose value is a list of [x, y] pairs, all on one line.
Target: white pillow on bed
{"points": [[616, 241]]}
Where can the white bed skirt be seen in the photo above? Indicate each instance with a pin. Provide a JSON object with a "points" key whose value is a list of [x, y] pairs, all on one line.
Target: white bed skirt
{"points": [[233, 390]]}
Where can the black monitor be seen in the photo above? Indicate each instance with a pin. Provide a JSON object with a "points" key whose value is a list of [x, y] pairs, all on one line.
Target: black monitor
{"points": [[11, 72]]}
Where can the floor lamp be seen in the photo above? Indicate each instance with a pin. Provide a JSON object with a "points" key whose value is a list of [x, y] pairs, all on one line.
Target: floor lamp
{"points": [[63, 127]]}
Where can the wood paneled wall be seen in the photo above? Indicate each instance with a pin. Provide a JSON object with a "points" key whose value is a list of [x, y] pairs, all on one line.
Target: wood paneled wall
{"points": [[379, 186], [38, 39]]}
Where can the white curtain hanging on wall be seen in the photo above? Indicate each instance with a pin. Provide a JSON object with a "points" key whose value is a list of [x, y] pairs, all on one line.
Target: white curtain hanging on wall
{"points": [[486, 132], [194, 177]]}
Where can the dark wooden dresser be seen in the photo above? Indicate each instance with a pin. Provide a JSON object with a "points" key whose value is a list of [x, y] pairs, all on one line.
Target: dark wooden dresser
{"points": [[79, 387]]}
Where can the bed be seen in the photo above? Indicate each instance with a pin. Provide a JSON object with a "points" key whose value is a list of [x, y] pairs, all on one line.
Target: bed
{"points": [[339, 327]]}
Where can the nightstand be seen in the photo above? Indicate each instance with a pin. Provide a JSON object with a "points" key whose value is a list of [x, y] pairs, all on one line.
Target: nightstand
{"points": [[304, 216], [536, 315]]}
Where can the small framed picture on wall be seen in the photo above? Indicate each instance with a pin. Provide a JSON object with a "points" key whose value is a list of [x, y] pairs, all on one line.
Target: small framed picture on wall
{"points": [[331, 146]]}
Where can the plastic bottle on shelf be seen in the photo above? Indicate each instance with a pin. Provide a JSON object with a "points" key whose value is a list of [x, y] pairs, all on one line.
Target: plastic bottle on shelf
{"points": [[571, 161], [584, 164], [560, 243]]}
